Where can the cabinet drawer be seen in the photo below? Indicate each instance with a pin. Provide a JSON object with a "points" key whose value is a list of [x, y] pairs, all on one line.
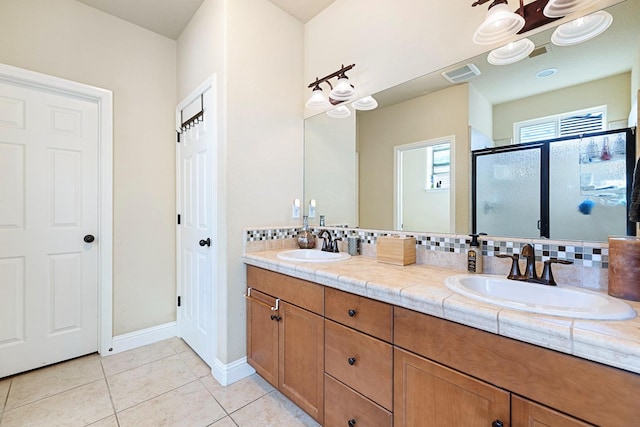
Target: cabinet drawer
{"points": [[342, 404], [360, 361], [526, 413], [307, 295], [364, 314]]}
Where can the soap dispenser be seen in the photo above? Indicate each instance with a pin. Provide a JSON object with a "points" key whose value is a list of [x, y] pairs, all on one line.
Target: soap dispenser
{"points": [[306, 239], [474, 254]]}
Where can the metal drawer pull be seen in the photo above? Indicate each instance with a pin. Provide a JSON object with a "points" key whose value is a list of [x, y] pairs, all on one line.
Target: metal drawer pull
{"points": [[351, 422], [276, 318], [497, 423], [352, 361], [352, 312], [249, 297]]}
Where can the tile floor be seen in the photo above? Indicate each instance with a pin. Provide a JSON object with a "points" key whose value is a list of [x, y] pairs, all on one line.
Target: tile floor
{"points": [[161, 384]]}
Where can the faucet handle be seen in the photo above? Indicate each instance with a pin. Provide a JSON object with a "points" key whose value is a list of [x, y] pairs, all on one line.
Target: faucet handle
{"points": [[547, 275], [335, 244], [515, 273]]}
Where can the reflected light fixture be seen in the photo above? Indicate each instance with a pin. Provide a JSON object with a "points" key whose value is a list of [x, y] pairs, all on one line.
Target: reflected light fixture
{"points": [[340, 112], [365, 104], [513, 52], [343, 90], [581, 29]]}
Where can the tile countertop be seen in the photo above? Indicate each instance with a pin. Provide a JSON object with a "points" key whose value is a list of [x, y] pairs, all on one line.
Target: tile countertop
{"points": [[421, 288]]}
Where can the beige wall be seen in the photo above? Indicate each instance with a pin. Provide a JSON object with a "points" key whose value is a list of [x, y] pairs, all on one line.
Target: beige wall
{"points": [[67, 39], [436, 115], [330, 169], [613, 91], [480, 113], [257, 52]]}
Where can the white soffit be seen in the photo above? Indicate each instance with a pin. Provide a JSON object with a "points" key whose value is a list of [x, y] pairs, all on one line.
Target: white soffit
{"points": [[165, 17]]}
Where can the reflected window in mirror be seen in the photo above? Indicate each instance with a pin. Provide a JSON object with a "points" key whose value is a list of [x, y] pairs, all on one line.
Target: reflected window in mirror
{"points": [[439, 166], [560, 125]]}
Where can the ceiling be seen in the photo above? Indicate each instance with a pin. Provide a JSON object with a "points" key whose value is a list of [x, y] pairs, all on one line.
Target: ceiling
{"points": [[170, 17]]}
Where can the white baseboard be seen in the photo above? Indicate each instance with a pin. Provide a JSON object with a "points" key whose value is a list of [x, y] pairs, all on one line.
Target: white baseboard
{"points": [[142, 337], [227, 374]]}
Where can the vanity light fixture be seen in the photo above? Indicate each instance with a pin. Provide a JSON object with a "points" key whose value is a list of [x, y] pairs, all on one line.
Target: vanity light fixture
{"points": [[513, 52], [581, 29], [499, 25], [365, 104], [317, 101], [343, 91], [340, 112], [560, 8]]}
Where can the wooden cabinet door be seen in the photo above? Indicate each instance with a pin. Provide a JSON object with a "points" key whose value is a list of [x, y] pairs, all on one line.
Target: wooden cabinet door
{"points": [[525, 413], [262, 336], [301, 369], [431, 395]]}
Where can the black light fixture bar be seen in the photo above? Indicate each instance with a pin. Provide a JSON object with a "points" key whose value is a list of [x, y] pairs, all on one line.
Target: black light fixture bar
{"points": [[341, 71], [532, 13]]}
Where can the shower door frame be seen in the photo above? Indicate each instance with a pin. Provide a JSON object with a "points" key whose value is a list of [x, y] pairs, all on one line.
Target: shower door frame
{"points": [[545, 150]]}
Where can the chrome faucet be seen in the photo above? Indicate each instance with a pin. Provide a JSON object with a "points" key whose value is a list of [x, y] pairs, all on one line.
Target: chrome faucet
{"points": [[530, 273]]}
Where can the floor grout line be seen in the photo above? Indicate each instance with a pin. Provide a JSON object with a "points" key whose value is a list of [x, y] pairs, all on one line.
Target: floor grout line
{"points": [[113, 406], [208, 382]]}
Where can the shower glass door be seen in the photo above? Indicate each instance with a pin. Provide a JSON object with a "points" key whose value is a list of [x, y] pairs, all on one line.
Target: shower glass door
{"points": [[588, 194], [508, 192]]}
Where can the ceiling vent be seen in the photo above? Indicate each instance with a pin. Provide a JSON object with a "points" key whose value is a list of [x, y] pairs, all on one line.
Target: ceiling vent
{"points": [[540, 50], [462, 74]]}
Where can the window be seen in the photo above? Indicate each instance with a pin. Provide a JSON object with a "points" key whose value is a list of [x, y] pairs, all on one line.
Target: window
{"points": [[439, 166], [559, 125]]}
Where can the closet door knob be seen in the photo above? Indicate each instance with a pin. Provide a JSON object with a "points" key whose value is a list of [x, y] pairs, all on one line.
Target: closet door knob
{"points": [[352, 361], [89, 238], [205, 242], [352, 312]]}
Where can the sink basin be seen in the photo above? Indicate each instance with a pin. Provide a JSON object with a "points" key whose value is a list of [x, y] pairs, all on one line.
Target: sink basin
{"points": [[564, 301], [311, 255]]}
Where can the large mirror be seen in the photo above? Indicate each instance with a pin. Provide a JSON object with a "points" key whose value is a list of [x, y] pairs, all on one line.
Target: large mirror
{"points": [[354, 167]]}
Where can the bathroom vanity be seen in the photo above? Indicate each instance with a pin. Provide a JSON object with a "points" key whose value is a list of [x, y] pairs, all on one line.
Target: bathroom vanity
{"points": [[361, 343]]}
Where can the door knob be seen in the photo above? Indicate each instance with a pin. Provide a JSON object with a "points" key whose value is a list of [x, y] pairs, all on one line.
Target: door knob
{"points": [[205, 242], [89, 238], [352, 361], [497, 423]]}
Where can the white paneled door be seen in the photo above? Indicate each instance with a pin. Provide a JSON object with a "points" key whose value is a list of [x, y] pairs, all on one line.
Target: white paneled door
{"points": [[48, 226], [196, 238]]}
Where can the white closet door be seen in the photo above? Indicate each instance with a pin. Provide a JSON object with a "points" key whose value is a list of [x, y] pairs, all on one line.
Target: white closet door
{"points": [[48, 204], [197, 243]]}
